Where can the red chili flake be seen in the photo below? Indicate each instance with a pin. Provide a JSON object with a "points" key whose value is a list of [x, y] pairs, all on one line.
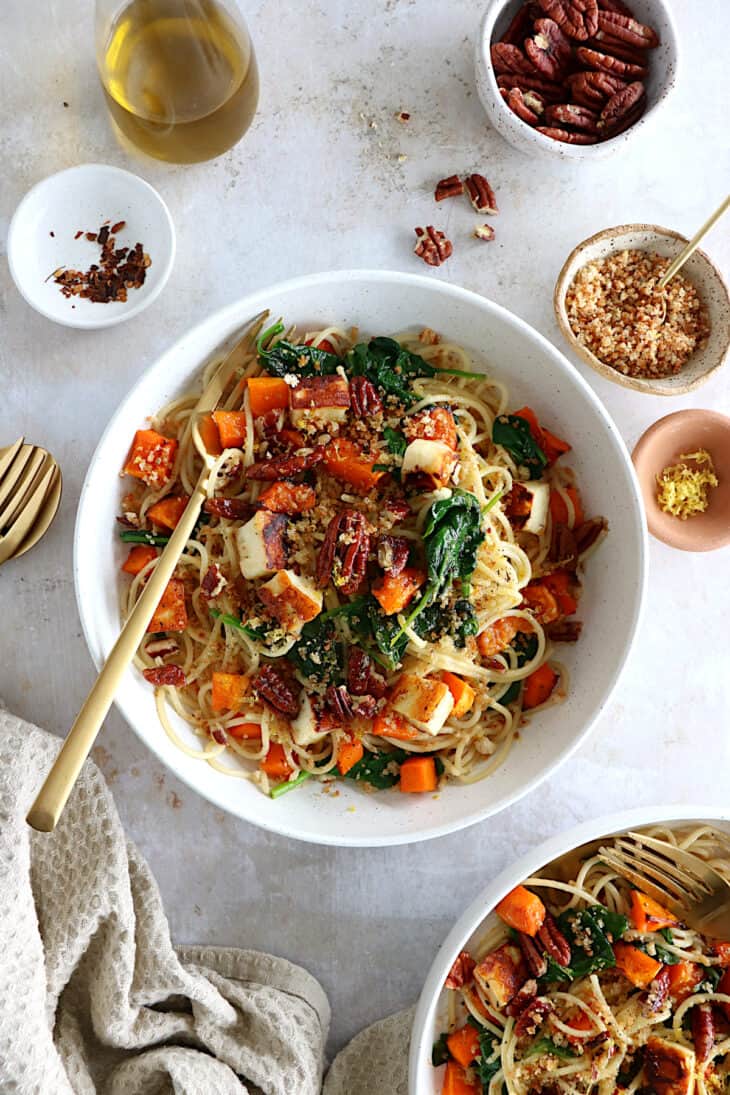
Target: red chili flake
{"points": [[120, 269]]}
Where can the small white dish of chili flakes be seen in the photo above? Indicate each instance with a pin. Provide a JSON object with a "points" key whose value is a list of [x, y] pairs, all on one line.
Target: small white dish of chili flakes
{"points": [[665, 342], [91, 246]]}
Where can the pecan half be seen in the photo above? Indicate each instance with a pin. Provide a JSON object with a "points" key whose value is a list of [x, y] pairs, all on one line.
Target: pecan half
{"points": [[628, 30], [550, 92], [397, 509], [338, 700], [507, 58], [393, 553], [275, 688], [284, 467], [603, 61], [576, 18], [518, 28], [593, 89], [572, 114], [484, 232], [566, 136], [553, 940], [658, 991], [481, 194], [549, 49], [626, 122], [165, 674], [343, 556], [587, 534], [621, 104], [162, 648], [432, 246], [564, 631], [461, 972], [364, 397], [703, 1031], [523, 999], [615, 5], [532, 1018], [235, 509], [448, 188], [527, 105], [563, 551], [606, 43], [212, 583], [535, 960]]}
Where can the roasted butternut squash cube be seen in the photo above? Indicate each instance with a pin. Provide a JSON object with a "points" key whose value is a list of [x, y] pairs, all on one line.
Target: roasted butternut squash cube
{"points": [[151, 458], [170, 614]]}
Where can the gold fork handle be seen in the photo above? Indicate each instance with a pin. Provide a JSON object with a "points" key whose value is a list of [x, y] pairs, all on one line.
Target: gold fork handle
{"points": [[51, 799]]}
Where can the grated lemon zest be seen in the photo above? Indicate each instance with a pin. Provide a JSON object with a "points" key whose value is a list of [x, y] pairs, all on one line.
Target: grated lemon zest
{"points": [[683, 490]]}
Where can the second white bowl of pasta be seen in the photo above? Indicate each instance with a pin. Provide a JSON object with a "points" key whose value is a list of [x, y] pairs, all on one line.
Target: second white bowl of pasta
{"points": [[419, 570]]}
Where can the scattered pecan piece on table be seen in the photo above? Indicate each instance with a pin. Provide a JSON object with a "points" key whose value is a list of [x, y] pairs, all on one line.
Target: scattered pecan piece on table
{"points": [[343, 556], [165, 674], [565, 136], [393, 553], [461, 972], [432, 246], [481, 194], [484, 232], [628, 30], [364, 397], [582, 117], [549, 49], [576, 18], [448, 188], [284, 467], [553, 940], [274, 687], [506, 59], [603, 61]]}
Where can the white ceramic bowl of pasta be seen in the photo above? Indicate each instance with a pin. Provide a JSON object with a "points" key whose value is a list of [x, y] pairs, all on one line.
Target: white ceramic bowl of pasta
{"points": [[382, 302], [479, 918]]}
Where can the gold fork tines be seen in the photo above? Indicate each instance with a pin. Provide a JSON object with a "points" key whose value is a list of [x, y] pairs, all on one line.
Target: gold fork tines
{"points": [[30, 490]]}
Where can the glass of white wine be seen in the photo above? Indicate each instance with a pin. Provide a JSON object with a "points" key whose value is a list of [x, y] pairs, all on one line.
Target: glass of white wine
{"points": [[179, 76]]}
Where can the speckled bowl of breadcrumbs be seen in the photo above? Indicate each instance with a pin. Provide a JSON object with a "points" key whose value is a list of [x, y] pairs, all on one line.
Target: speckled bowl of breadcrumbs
{"points": [[613, 315]]}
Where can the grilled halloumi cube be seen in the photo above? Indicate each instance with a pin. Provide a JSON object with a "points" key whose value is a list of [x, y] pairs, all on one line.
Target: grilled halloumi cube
{"points": [[502, 974], [292, 599], [424, 701], [322, 398], [261, 545], [428, 465], [669, 1068], [540, 499]]}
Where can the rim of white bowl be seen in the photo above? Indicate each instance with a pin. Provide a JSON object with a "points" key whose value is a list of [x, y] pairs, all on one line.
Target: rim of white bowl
{"points": [[563, 149], [419, 1060], [147, 296], [252, 304]]}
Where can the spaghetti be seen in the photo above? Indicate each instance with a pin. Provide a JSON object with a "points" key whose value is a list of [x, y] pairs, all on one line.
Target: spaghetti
{"points": [[386, 561], [590, 985]]}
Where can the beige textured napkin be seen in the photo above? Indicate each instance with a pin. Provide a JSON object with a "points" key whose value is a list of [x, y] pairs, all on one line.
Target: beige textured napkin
{"points": [[94, 998]]}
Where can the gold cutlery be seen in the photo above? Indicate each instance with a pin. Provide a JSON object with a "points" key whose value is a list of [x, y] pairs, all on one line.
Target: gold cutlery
{"points": [[30, 491], [689, 886], [51, 799], [691, 247]]}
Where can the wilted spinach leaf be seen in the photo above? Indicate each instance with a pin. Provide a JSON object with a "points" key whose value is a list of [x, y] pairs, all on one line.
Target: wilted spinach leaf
{"points": [[458, 620], [392, 368], [380, 770], [440, 1052], [513, 434], [396, 441], [488, 1063], [318, 654], [547, 1045], [599, 927], [286, 359]]}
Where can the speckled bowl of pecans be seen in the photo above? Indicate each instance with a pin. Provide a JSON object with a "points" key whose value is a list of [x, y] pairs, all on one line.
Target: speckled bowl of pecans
{"points": [[659, 343], [577, 79]]}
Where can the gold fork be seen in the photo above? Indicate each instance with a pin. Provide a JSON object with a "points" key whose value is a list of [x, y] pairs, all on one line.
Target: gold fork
{"points": [[679, 879], [51, 799], [30, 490]]}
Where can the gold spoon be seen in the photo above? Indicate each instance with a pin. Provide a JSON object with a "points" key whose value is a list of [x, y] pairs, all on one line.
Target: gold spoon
{"points": [[691, 247], [30, 491]]}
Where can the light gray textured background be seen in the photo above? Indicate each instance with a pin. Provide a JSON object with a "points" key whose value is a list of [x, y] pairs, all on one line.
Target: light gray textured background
{"points": [[317, 184]]}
